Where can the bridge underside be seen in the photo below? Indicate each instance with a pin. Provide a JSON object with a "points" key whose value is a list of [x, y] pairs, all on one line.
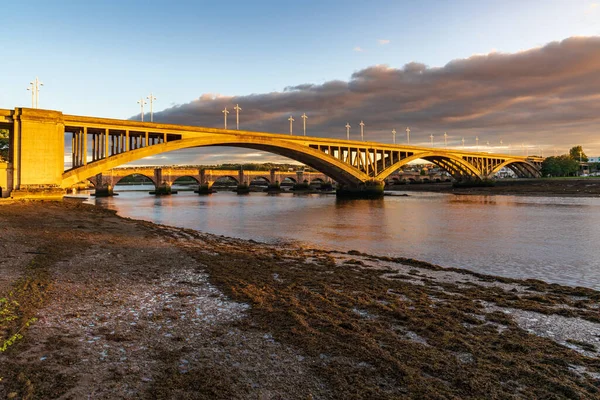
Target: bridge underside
{"points": [[349, 166]]}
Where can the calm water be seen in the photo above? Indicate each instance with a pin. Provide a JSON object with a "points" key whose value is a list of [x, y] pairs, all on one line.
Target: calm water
{"points": [[548, 238]]}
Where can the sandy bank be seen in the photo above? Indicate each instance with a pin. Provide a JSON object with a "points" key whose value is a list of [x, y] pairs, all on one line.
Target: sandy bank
{"points": [[120, 308]]}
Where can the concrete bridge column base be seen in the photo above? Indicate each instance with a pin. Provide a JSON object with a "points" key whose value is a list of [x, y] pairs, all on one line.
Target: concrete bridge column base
{"points": [[204, 189], [242, 188], [38, 193], [366, 190], [164, 189], [104, 191]]}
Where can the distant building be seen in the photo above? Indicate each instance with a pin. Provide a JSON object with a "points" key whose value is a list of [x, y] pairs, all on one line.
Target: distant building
{"points": [[593, 159]]}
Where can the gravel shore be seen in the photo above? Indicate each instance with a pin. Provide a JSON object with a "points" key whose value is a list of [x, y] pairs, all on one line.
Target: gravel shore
{"points": [[97, 306]]}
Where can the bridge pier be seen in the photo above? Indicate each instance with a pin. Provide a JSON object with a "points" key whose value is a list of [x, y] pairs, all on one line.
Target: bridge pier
{"points": [[102, 187], [163, 188], [37, 153], [372, 189], [205, 185]]}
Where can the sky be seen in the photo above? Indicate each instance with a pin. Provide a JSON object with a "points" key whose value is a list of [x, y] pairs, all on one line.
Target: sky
{"points": [[524, 72]]}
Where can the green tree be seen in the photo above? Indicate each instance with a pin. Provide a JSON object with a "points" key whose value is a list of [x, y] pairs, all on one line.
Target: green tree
{"points": [[560, 166], [576, 152], [4, 143]]}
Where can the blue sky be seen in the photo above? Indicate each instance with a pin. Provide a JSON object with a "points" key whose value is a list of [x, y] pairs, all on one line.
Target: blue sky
{"points": [[99, 58]]}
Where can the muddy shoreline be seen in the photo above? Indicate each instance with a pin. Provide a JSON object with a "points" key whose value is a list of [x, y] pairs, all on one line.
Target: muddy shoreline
{"points": [[109, 307], [588, 187]]}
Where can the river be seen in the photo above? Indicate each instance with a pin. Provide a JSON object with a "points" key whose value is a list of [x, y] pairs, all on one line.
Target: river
{"points": [[549, 238]]}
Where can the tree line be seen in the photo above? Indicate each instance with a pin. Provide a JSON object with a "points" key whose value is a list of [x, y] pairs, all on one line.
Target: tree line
{"points": [[566, 164]]}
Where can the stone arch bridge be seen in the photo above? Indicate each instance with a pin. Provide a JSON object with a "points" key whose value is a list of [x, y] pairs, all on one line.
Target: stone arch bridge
{"points": [[100, 144], [168, 175]]}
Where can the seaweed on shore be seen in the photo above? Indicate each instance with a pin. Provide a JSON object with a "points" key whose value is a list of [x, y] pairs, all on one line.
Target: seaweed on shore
{"points": [[383, 338]]}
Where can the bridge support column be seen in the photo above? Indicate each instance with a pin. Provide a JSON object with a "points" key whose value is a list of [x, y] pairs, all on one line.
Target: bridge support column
{"points": [[367, 190], [37, 153], [206, 183], [163, 188], [243, 186], [103, 187]]}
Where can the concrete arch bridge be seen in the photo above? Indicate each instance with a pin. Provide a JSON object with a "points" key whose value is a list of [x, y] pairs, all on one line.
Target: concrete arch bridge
{"points": [[100, 144]]}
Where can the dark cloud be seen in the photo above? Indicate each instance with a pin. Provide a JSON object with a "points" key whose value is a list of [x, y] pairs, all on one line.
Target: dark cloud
{"points": [[548, 96]]}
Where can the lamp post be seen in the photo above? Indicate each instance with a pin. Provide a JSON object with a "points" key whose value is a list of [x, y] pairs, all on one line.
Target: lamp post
{"points": [[32, 88], [151, 98], [431, 137], [580, 153], [394, 135], [304, 118], [446, 140], [237, 109], [291, 119], [347, 131], [463, 143], [225, 112], [141, 102], [37, 92], [407, 135], [362, 131], [477, 143]]}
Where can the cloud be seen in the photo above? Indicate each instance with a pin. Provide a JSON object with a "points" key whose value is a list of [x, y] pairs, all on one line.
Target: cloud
{"points": [[547, 96], [383, 41], [358, 49]]}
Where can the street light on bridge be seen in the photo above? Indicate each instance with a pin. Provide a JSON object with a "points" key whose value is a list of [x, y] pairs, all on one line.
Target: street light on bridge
{"points": [[141, 102], [446, 140], [407, 135], [394, 135], [477, 143], [304, 118], [151, 98], [225, 112], [347, 131], [32, 88], [463, 143], [237, 109], [431, 137], [291, 119], [35, 92], [362, 131]]}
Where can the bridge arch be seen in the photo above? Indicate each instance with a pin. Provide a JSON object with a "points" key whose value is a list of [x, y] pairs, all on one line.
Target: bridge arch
{"points": [[522, 168], [259, 178], [116, 179], [223, 178], [453, 164], [184, 176], [330, 166]]}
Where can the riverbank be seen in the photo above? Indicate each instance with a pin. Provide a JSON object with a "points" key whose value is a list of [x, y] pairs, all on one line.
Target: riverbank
{"points": [[569, 187], [122, 308]]}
